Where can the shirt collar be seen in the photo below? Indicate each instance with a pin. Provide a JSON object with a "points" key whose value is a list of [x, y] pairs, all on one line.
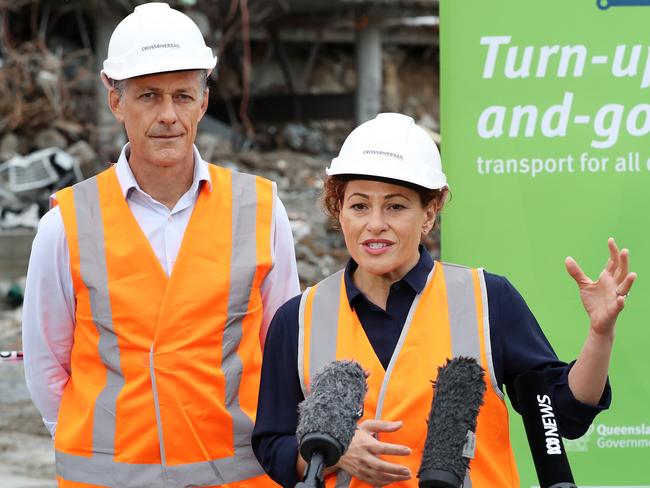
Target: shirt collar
{"points": [[128, 182], [416, 278]]}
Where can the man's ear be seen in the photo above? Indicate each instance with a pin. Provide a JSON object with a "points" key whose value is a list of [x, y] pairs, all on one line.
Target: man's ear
{"points": [[115, 104]]}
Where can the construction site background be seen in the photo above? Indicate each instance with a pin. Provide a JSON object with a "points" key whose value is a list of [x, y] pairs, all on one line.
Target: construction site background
{"points": [[294, 77]]}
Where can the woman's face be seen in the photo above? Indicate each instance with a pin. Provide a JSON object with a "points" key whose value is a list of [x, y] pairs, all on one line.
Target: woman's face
{"points": [[382, 224]]}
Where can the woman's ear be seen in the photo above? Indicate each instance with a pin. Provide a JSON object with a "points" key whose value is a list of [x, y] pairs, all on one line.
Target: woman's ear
{"points": [[430, 213]]}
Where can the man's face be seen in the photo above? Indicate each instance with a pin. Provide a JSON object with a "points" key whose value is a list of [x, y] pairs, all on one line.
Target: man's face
{"points": [[161, 113]]}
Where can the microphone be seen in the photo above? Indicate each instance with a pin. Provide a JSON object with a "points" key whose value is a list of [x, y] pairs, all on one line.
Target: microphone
{"points": [[327, 418], [451, 440], [551, 463]]}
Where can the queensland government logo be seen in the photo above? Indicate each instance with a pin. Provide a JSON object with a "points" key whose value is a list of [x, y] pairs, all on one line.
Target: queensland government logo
{"points": [[581, 444], [604, 436], [606, 4]]}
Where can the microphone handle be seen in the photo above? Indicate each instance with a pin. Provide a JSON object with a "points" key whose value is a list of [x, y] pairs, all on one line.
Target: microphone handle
{"points": [[314, 472], [439, 478]]}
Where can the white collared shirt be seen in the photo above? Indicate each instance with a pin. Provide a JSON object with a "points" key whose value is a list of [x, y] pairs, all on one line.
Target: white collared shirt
{"points": [[49, 305]]}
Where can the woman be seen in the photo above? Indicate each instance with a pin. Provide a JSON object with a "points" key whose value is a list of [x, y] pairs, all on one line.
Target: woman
{"points": [[401, 316]]}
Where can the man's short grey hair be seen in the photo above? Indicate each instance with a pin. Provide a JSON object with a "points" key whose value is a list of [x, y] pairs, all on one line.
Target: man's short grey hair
{"points": [[120, 85]]}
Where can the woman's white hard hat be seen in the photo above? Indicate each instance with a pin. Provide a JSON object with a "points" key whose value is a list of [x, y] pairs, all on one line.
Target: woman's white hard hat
{"points": [[153, 39], [391, 146]]}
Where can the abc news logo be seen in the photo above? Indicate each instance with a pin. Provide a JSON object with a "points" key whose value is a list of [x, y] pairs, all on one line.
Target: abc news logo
{"points": [[551, 433]]}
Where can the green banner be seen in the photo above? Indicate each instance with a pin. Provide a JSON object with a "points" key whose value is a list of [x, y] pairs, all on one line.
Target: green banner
{"points": [[546, 143]]}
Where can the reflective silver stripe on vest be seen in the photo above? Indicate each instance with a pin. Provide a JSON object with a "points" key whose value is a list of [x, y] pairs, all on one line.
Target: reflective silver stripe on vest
{"points": [[462, 311], [324, 326], [486, 335], [101, 468], [301, 341], [343, 479], [156, 400], [463, 321], [243, 261], [94, 273], [398, 348], [273, 214]]}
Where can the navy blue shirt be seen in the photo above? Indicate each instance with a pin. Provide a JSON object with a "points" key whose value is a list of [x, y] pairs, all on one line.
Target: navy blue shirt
{"points": [[518, 345]]}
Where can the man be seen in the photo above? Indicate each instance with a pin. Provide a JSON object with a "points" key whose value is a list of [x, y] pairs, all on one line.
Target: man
{"points": [[151, 285]]}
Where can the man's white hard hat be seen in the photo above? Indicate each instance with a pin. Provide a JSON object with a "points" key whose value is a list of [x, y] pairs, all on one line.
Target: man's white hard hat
{"points": [[153, 39], [391, 146]]}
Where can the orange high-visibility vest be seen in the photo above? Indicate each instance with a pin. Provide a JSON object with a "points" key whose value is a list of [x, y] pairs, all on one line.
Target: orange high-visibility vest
{"points": [[165, 370], [448, 318]]}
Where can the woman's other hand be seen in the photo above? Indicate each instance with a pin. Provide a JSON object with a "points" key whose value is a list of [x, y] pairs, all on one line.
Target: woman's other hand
{"points": [[604, 298], [362, 459]]}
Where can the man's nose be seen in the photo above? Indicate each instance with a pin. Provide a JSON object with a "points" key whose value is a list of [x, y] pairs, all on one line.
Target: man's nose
{"points": [[167, 114]]}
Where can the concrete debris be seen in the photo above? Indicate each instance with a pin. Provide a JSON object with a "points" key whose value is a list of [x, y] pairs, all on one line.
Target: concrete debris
{"points": [[43, 84], [301, 138], [300, 229], [28, 173], [26, 183], [318, 137], [9, 146], [40, 169], [334, 75], [50, 138], [27, 217], [268, 77], [212, 146], [85, 155]]}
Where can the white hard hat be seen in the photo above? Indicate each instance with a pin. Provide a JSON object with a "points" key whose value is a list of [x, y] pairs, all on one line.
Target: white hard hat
{"points": [[153, 39], [391, 146]]}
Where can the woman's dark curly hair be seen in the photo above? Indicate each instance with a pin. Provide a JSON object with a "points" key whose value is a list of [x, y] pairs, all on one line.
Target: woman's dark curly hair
{"points": [[334, 190]]}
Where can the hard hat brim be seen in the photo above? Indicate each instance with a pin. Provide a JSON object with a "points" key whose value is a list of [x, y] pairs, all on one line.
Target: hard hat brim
{"points": [[379, 167], [115, 73]]}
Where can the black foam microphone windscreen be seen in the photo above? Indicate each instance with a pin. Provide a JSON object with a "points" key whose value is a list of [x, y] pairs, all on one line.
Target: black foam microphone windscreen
{"points": [[458, 396], [327, 418], [551, 463]]}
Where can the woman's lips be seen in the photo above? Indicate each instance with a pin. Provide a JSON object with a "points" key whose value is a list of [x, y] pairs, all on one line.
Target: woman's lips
{"points": [[375, 246]]}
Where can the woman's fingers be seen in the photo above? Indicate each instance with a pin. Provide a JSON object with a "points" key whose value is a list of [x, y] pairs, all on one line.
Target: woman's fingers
{"points": [[387, 468], [625, 286], [390, 449], [623, 266], [378, 472], [374, 426], [576, 272], [614, 256]]}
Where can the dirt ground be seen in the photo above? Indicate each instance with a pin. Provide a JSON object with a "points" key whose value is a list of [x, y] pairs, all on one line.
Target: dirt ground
{"points": [[26, 452]]}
